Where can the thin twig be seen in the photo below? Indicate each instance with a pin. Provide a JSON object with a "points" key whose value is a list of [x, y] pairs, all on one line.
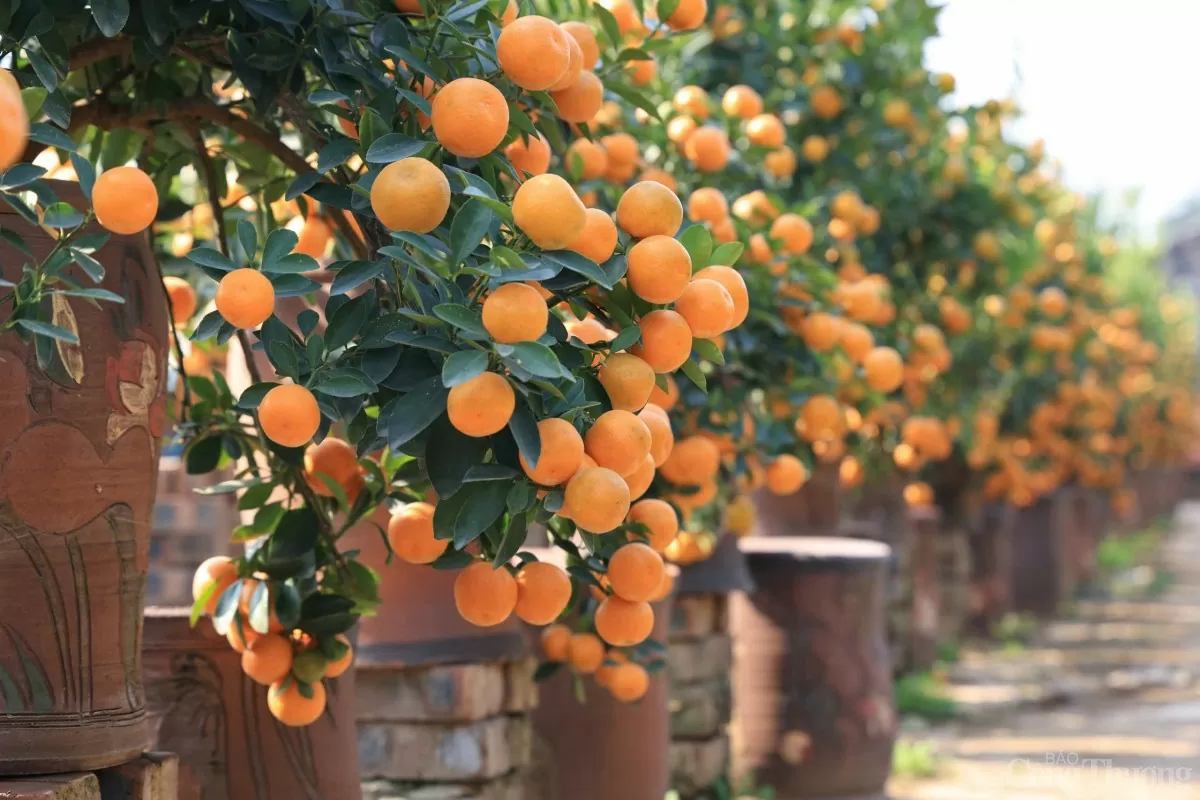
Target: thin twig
{"points": [[186, 402]]}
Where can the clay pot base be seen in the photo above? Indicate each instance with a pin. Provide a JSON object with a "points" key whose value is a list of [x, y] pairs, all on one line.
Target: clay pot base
{"points": [[44, 743]]}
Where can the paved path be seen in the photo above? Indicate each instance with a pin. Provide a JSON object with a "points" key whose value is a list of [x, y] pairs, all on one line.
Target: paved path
{"points": [[1105, 707]]}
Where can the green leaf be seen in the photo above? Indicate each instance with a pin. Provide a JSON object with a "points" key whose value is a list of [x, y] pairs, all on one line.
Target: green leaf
{"points": [[473, 509], [252, 395], [208, 257], [609, 23], [462, 366], [345, 382], [291, 264], [666, 8], [40, 328], [470, 225], [335, 153], [393, 147], [580, 265], [547, 669], [303, 182], [355, 273], [20, 175], [110, 15], [708, 350], [203, 455], [514, 537], [86, 174], [462, 318], [692, 370], [727, 254], [280, 243], [248, 237], [525, 431], [539, 360], [347, 322], [449, 456], [94, 294], [405, 417], [626, 339], [698, 242], [255, 496], [49, 135], [632, 95]]}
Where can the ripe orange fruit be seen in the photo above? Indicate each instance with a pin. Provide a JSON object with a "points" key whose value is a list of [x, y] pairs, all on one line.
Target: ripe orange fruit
{"points": [[14, 122], [884, 369], [707, 148], [622, 623], [640, 479], [734, 284], [470, 117], [621, 148], [618, 440], [408, 6], [1052, 301], [586, 159], [742, 101], [268, 659], [786, 474], [561, 454], [410, 533], [814, 148], [649, 209], [529, 155], [628, 380], [856, 340], [693, 461], [515, 313], [482, 405], [612, 660], [543, 591], [825, 101], [289, 415], [667, 399], [588, 330], [629, 683], [659, 176], [533, 52], [626, 15], [598, 499], [219, 570], [820, 418], [641, 72], [688, 15], [707, 205], [240, 634], [585, 37], [662, 438], [485, 596], [666, 340], [586, 653], [574, 66], [579, 100], [707, 307], [793, 232], [599, 237], [245, 298], [691, 100], [821, 331], [766, 130], [548, 211], [314, 237], [124, 198], [635, 572], [660, 518], [333, 458], [780, 163], [288, 705], [182, 296], [680, 128], [556, 642], [928, 337], [658, 269]]}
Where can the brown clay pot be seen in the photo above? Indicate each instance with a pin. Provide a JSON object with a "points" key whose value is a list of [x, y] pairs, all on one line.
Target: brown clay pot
{"points": [[1043, 574], [815, 510], [722, 572], [991, 564], [813, 710], [417, 623], [205, 710], [78, 467], [603, 749]]}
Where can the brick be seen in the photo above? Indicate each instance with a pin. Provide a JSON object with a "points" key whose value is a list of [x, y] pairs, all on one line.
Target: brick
{"points": [[73, 786], [520, 691], [461, 692], [696, 766], [699, 710], [474, 751], [694, 615], [698, 659], [154, 776]]}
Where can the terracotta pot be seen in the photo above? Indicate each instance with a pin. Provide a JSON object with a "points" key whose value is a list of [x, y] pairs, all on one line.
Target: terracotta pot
{"points": [[722, 572], [814, 714], [926, 603], [205, 710], [991, 542], [1040, 578], [418, 624], [602, 749], [815, 510], [78, 467]]}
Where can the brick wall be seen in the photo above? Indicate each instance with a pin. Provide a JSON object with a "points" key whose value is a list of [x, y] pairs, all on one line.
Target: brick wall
{"points": [[700, 655]]}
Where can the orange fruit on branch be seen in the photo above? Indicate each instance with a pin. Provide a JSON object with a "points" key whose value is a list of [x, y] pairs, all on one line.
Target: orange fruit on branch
{"points": [[289, 705], [335, 459], [485, 596], [629, 682], [786, 475], [766, 130], [649, 209], [482, 405], [289, 415], [515, 313], [549, 212], [556, 642], [662, 438], [410, 533], [618, 440], [530, 155], [543, 591], [622, 623], [579, 100], [598, 240], [182, 297], [245, 298], [587, 159], [585, 37], [707, 204], [219, 572], [586, 653], [635, 572], [268, 659], [741, 101], [733, 282], [666, 340], [470, 117], [884, 369], [124, 198], [707, 148], [707, 307], [561, 453], [628, 380], [658, 269], [661, 520], [693, 461], [598, 499], [534, 52], [688, 15]]}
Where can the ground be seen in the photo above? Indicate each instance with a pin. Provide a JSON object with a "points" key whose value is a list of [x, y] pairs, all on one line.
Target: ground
{"points": [[1104, 706]]}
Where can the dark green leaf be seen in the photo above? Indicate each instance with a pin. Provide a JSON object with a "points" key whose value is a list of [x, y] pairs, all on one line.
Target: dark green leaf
{"points": [[203, 455], [539, 360], [698, 242], [355, 273], [20, 175], [462, 366], [208, 257], [85, 172], [626, 339], [46, 329], [248, 237], [609, 23], [525, 431], [280, 243], [462, 318], [727, 254], [110, 15], [514, 537], [93, 268], [94, 294], [52, 136], [405, 417], [347, 322], [692, 370], [344, 382], [708, 350], [470, 225], [473, 509], [580, 265], [291, 264], [393, 147], [449, 456], [633, 96], [335, 153], [303, 182]]}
